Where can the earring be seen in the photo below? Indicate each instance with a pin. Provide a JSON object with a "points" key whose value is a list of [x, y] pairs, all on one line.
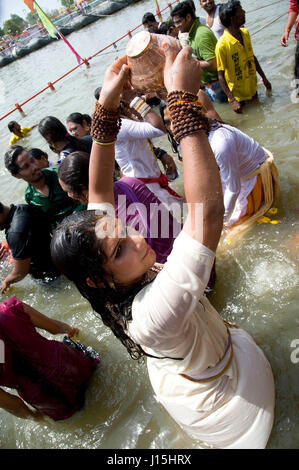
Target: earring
{"points": [[112, 285]]}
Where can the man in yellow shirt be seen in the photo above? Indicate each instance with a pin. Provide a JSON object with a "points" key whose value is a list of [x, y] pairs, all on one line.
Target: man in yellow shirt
{"points": [[18, 132], [236, 62]]}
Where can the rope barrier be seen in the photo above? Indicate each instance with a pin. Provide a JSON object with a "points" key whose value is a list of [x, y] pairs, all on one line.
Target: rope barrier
{"points": [[18, 107], [264, 6], [268, 24]]}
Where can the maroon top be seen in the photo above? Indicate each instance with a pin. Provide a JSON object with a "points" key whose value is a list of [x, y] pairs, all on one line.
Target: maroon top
{"points": [[147, 215], [47, 374]]}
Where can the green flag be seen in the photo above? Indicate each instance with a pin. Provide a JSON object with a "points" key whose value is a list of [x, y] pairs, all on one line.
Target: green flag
{"points": [[46, 21]]}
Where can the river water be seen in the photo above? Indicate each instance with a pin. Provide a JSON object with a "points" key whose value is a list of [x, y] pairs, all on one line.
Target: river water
{"points": [[257, 276]]}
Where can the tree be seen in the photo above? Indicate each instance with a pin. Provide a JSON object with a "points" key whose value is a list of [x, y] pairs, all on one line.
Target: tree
{"points": [[67, 3], [13, 25], [31, 19]]}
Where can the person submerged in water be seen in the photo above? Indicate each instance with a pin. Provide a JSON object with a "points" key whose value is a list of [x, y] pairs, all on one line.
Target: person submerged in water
{"points": [[211, 377], [48, 375]]}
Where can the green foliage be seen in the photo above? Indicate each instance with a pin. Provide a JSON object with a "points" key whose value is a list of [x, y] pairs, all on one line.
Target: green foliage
{"points": [[67, 3], [14, 24], [31, 19]]}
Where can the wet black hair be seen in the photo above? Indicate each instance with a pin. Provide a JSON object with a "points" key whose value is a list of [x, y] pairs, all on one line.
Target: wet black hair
{"points": [[37, 153], [97, 92], [73, 171], [148, 17], [78, 118], [77, 253], [227, 11], [174, 144], [183, 9], [11, 125], [10, 158], [1, 207], [53, 130]]}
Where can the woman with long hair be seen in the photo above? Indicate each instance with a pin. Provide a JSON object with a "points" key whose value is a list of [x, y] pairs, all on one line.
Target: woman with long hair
{"points": [[59, 140], [135, 204], [78, 124], [211, 377]]}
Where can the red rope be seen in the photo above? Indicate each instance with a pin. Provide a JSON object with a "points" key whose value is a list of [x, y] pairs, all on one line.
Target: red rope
{"points": [[83, 63]]}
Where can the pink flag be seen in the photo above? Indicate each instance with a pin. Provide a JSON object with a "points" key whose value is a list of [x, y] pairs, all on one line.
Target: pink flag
{"points": [[79, 59]]}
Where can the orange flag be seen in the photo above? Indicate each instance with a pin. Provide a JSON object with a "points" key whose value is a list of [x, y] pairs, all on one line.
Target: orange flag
{"points": [[29, 4]]}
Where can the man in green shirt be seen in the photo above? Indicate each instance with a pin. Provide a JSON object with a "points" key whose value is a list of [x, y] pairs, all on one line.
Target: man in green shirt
{"points": [[203, 42], [43, 190]]}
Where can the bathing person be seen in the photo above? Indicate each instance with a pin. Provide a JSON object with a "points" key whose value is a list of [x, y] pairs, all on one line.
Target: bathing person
{"points": [[78, 124], [212, 18], [135, 152], [293, 16], [248, 174], [27, 235], [43, 190], [236, 62], [18, 132], [141, 208], [203, 42], [149, 21], [48, 375], [211, 377], [60, 141]]}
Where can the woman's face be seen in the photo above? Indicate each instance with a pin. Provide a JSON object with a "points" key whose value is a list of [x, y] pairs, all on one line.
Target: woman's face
{"points": [[129, 256], [78, 130], [81, 197]]}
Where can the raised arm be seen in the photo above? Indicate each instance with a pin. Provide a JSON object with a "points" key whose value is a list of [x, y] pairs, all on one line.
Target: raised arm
{"points": [[201, 175], [101, 166]]}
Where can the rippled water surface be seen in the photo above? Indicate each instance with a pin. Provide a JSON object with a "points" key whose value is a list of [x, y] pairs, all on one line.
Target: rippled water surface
{"points": [[257, 276]]}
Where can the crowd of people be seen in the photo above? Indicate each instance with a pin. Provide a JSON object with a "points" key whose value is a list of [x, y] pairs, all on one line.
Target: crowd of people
{"points": [[105, 216]]}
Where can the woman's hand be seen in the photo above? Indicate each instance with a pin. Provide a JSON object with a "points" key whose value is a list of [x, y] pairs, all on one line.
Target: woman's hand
{"points": [[116, 77], [73, 332], [182, 71]]}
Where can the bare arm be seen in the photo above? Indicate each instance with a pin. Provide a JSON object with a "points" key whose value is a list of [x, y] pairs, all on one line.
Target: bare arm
{"points": [[290, 23], [205, 100], [209, 65], [201, 175], [101, 166], [14, 405], [55, 327], [262, 75], [20, 270], [235, 104], [155, 120]]}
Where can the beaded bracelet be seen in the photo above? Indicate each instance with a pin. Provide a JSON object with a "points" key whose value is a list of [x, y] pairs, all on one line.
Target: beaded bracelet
{"points": [[140, 106], [186, 114], [105, 124]]}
